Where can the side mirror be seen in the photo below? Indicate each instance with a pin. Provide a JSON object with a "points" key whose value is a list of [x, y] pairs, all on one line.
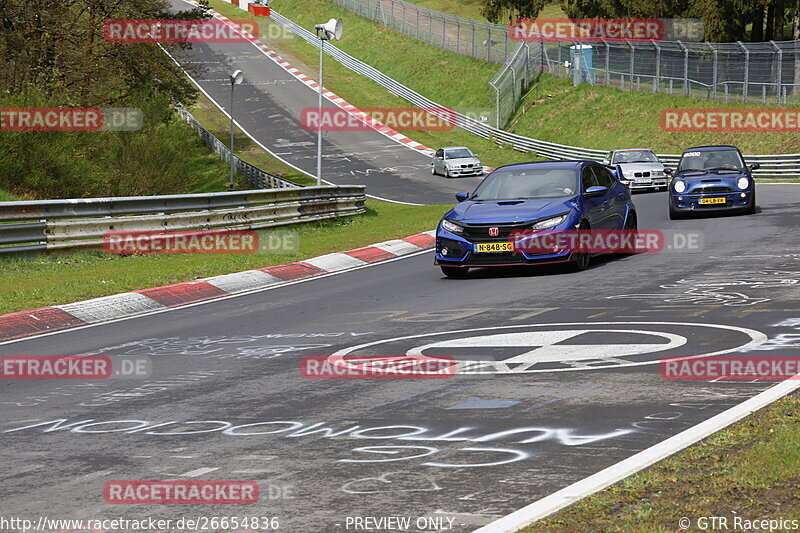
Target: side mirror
{"points": [[595, 191], [755, 166], [461, 196], [668, 171]]}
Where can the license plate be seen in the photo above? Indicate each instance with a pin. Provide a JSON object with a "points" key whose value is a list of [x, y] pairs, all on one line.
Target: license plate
{"points": [[645, 180], [712, 200], [484, 247]]}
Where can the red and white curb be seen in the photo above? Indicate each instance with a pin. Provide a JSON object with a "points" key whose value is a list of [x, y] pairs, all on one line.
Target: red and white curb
{"points": [[60, 317], [330, 95]]}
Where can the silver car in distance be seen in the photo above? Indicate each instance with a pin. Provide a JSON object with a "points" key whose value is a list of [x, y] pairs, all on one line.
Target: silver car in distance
{"points": [[641, 169], [455, 161]]}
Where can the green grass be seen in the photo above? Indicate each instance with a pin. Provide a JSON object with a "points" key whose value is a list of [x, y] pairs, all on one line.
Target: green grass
{"points": [[29, 284], [748, 469], [591, 117], [471, 9], [6, 196]]}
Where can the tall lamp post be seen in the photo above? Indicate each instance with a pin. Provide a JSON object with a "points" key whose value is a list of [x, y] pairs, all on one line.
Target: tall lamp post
{"points": [[236, 79], [330, 30]]}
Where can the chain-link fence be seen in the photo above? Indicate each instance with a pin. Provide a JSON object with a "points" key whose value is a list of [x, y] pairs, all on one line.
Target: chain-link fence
{"points": [[753, 72], [475, 38], [512, 80], [768, 73]]}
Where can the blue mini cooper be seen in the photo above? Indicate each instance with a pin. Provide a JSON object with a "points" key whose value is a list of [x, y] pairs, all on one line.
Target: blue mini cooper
{"points": [[712, 178]]}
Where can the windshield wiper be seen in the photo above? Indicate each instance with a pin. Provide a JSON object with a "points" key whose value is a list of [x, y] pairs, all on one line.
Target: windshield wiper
{"points": [[728, 169]]}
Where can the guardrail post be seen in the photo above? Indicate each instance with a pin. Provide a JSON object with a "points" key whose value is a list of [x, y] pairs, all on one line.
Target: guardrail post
{"points": [[607, 77], [657, 78], [444, 30], [489, 45], [458, 36], [633, 56]]}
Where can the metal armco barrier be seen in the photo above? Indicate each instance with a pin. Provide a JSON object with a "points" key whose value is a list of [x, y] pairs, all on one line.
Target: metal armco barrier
{"points": [[772, 166], [49, 225]]}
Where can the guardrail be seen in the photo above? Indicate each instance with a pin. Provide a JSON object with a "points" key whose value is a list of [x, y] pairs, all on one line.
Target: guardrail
{"points": [[254, 175], [772, 166], [80, 224]]}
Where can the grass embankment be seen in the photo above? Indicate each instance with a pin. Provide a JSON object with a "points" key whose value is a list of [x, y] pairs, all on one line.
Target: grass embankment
{"points": [[164, 157], [588, 116], [29, 284], [748, 470], [471, 9]]}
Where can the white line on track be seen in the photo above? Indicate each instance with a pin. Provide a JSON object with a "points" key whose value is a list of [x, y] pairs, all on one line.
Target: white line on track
{"points": [[558, 500]]}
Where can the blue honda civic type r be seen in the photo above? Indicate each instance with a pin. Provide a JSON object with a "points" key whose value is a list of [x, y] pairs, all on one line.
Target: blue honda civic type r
{"points": [[548, 195]]}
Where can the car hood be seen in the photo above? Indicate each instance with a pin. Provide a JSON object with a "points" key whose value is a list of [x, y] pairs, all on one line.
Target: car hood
{"points": [[509, 211], [630, 168], [462, 161], [711, 176]]}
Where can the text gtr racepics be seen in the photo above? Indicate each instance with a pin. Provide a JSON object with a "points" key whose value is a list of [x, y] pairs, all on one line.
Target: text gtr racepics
{"points": [[712, 178], [550, 195]]}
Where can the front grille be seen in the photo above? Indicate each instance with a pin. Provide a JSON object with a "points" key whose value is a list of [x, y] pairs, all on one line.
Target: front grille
{"points": [[641, 174], [495, 259], [480, 232], [711, 190]]}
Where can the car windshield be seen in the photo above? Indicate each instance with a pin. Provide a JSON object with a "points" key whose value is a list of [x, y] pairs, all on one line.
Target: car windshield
{"points": [[711, 160], [519, 184], [634, 156], [458, 153]]}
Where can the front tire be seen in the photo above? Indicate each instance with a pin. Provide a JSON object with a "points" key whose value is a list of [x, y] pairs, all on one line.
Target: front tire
{"points": [[581, 260], [673, 213], [433, 169], [751, 210], [455, 272]]}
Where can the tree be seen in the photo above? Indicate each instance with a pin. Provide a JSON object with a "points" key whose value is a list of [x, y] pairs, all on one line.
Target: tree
{"points": [[498, 11]]}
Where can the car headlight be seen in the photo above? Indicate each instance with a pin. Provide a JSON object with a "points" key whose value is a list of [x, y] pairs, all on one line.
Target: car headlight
{"points": [[679, 186], [550, 222], [658, 173], [452, 227], [743, 183]]}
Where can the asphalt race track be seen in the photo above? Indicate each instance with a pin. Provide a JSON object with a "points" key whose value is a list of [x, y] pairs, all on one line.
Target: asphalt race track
{"points": [[269, 104], [575, 388]]}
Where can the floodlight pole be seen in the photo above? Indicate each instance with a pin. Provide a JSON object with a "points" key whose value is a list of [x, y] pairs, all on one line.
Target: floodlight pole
{"points": [[230, 183], [319, 119]]}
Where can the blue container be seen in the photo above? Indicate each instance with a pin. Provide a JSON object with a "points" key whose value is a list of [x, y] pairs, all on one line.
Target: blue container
{"points": [[583, 65]]}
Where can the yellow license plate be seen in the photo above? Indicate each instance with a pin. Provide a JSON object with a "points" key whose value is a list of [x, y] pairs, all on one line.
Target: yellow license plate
{"points": [[712, 200], [494, 247]]}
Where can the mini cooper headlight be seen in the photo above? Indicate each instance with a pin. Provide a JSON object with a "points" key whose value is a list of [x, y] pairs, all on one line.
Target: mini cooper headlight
{"points": [[743, 183], [452, 227], [550, 222], [679, 186]]}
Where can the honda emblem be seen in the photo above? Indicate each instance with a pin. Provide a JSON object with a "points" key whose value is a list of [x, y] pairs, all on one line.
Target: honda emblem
{"points": [[494, 232]]}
